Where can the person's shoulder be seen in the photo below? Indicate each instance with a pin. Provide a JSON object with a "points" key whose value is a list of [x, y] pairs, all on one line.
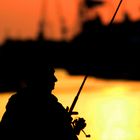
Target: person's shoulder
{"points": [[53, 97], [13, 97], [12, 101]]}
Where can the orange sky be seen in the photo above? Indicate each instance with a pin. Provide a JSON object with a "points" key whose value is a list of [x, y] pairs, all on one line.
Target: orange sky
{"points": [[20, 18], [131, 7]]}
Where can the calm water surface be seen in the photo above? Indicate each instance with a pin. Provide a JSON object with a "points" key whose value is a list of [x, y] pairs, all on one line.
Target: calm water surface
{"points": [[111, 108]]}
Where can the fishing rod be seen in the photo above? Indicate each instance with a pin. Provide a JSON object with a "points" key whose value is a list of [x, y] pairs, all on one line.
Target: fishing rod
{"points": [[76, 97], [86, 76]]}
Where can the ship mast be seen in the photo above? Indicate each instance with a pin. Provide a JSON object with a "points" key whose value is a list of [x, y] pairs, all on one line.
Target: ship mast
{"points": [[42, 24]]}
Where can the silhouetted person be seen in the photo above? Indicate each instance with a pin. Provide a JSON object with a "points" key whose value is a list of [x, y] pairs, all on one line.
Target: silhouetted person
{"points": [[33, 112]]}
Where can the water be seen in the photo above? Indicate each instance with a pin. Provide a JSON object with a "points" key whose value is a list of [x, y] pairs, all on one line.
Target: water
{"points": [[111, 108]]}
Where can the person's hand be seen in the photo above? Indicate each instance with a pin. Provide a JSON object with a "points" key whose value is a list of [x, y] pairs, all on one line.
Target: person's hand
{"points": [[79, 124], [71, 113]]}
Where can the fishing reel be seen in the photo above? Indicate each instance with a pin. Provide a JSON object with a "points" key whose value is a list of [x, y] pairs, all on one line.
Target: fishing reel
{"points": [[78, 125]]}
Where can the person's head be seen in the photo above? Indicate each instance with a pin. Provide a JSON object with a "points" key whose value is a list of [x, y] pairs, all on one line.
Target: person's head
{"points": [[40, 76], [29, 66]]}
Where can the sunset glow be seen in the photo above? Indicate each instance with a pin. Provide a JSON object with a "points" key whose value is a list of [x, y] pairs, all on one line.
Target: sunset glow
{"points": [[110, 108], [20, 19]]}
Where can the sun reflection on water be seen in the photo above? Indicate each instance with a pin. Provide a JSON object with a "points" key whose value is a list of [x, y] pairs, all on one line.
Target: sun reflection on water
{"points": [[111, 108]]}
